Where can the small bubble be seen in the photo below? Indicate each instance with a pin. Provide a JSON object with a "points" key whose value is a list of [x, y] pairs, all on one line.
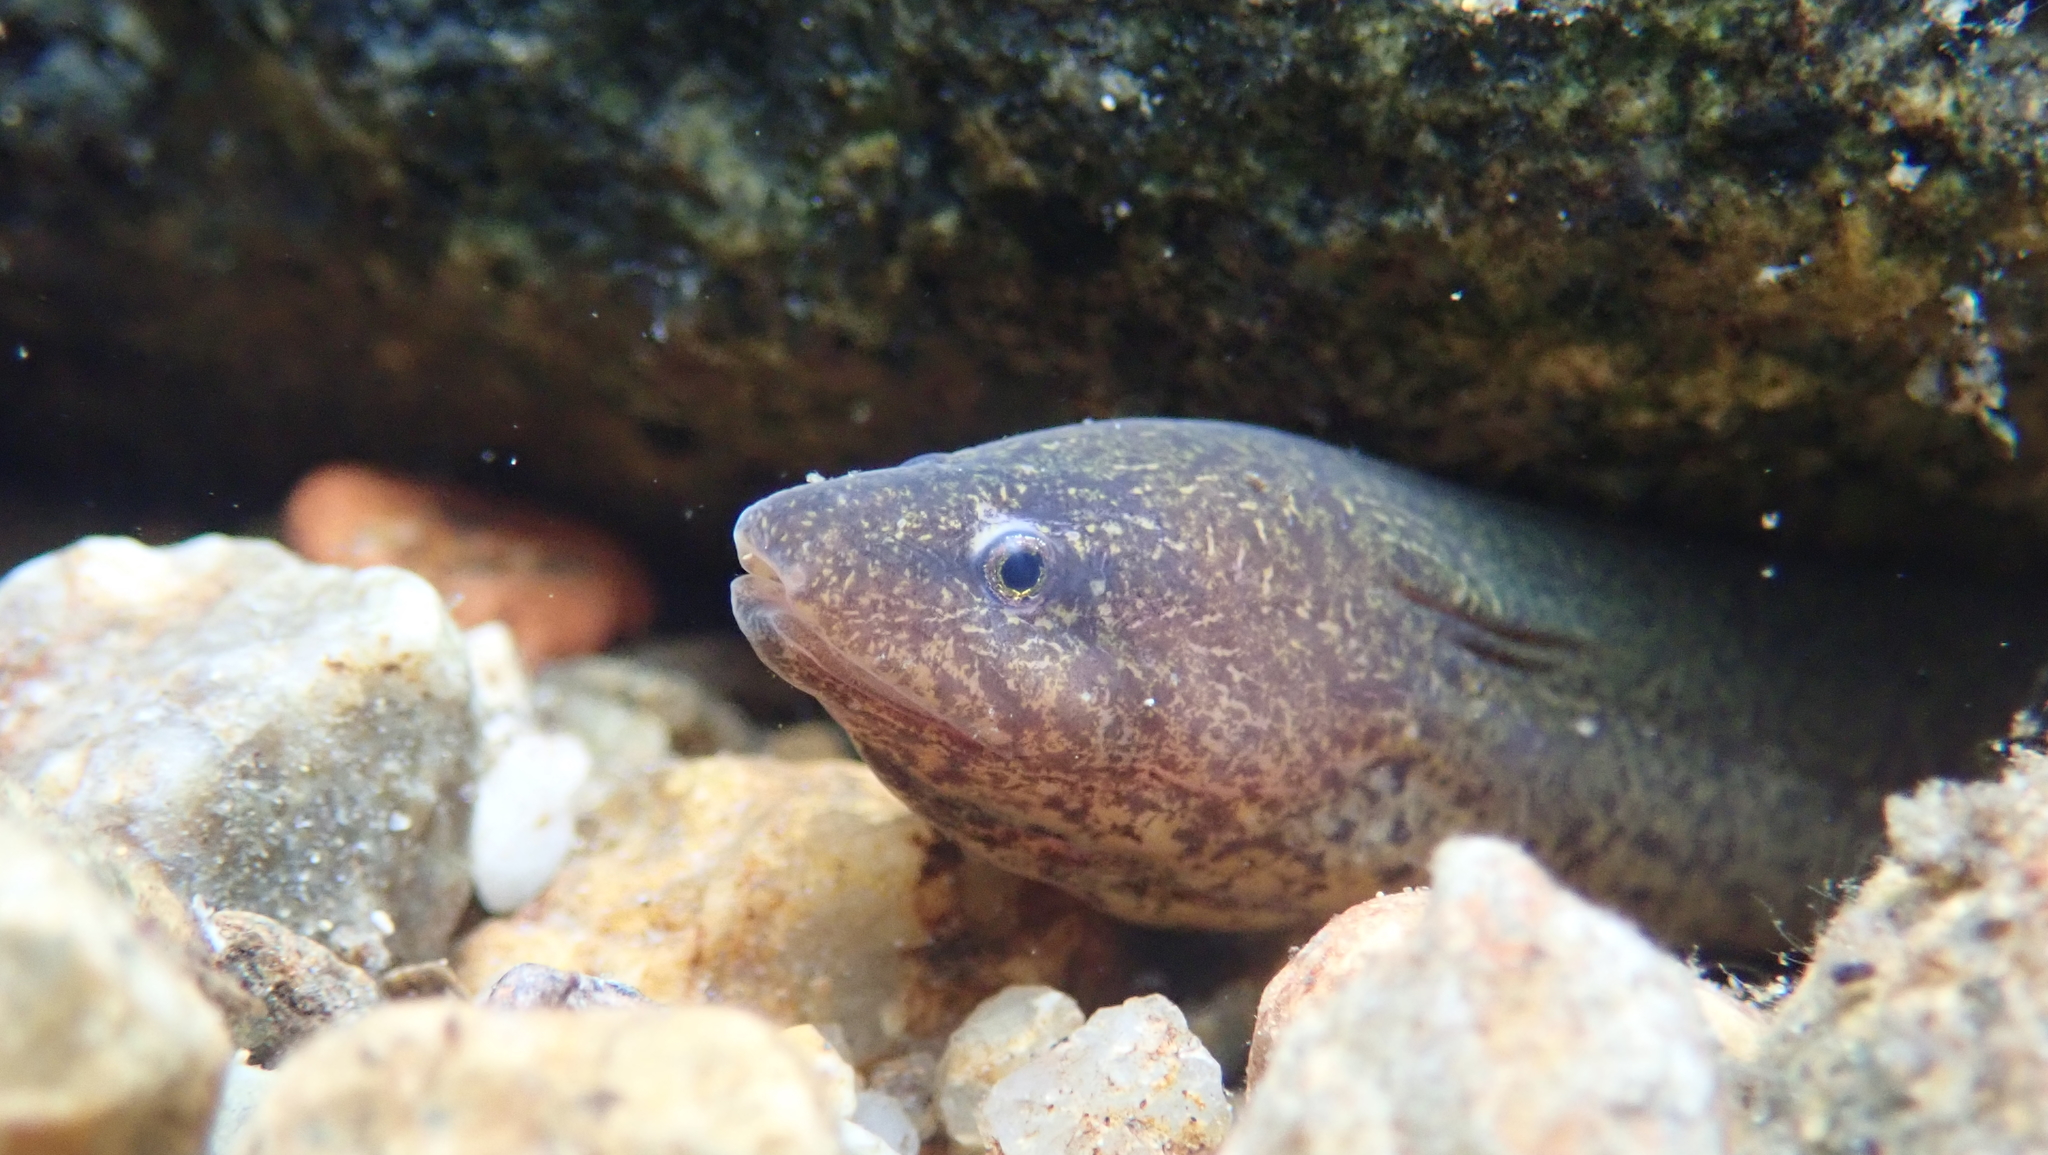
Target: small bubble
{"points": [[1457, 294], [1770, 519], [488, 456], [1586, 727], [21, 352], [382, 922], [1108, 102], [1768, 572], [398, 821], [813, 477], [1149, 702]]}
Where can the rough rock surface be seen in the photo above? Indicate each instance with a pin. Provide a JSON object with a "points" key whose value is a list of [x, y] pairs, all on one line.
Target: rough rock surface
{"points": [[106, 1044], [802, 890], [1921, 1024], [1374, 931], [1133, 1080], [301, 985], [1716, 258], [441, 1076], [1007, 1030], [1518, 1018], [280, 737]]}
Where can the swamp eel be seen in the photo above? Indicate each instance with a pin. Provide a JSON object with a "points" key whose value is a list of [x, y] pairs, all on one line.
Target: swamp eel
{"points": [[1214, 676]]}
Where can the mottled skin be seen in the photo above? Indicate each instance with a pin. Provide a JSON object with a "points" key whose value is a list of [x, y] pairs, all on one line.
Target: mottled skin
{"points": [[1265, 676]]}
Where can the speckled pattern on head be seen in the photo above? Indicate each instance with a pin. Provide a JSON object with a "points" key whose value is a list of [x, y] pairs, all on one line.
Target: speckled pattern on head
{"points": [[1210, 675]]}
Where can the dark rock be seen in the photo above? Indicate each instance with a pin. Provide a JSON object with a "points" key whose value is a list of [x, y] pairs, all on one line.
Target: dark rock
{"points": [[1710, 259], [300, 984], [427, 980]]}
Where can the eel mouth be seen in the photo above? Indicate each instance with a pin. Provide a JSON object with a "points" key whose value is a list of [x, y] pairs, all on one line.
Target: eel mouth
{"points": [[791, 644]]}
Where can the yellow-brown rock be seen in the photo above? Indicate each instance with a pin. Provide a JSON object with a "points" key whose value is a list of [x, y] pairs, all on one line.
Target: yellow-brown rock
{"points": [[1376, 929], [803, 890], [439, 1076], [107, 1045]]}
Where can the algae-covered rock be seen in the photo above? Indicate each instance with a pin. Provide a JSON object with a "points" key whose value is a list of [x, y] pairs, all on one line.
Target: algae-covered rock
{"points": [[1720, 258]]}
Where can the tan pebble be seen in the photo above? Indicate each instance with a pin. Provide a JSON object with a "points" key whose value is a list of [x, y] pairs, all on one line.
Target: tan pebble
{"points": [[443, 1077], [1374, 931], [107, 1045], [802, 890], [565, 588], [1514, 1018]]}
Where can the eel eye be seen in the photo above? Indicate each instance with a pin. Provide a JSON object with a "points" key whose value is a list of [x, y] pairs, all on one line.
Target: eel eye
{"points": [[1015, 567]]}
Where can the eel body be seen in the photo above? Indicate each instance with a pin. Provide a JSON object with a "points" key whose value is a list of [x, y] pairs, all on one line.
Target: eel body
{"points": [[1215, 676]]}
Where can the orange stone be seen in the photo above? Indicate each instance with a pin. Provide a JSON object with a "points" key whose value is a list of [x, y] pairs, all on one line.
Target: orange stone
{"points": [[564, 588]]}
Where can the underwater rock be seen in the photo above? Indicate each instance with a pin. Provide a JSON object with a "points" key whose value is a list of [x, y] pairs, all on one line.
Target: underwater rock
{"points": [[870, 1123], [106, 1043], [242, 1088], [1132, 1080], [1375, 931], [1700, 261], [531, 986], [1516, 1018], [1921, 1023], [563, 587], [278, 737], [440, 1075], [911, 1080], [524, 819], [802, 890], [1007, 1030], [635, 715], [301, 985]]}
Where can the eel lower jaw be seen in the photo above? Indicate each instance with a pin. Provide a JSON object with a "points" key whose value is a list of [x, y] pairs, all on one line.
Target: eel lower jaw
{"points": [[789, 644]]}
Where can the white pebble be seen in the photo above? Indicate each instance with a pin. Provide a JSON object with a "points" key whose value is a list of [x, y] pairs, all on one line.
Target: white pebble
{"points": [[883, 1117], [524, 821], [1009, 1028], [1133, 1081]]}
